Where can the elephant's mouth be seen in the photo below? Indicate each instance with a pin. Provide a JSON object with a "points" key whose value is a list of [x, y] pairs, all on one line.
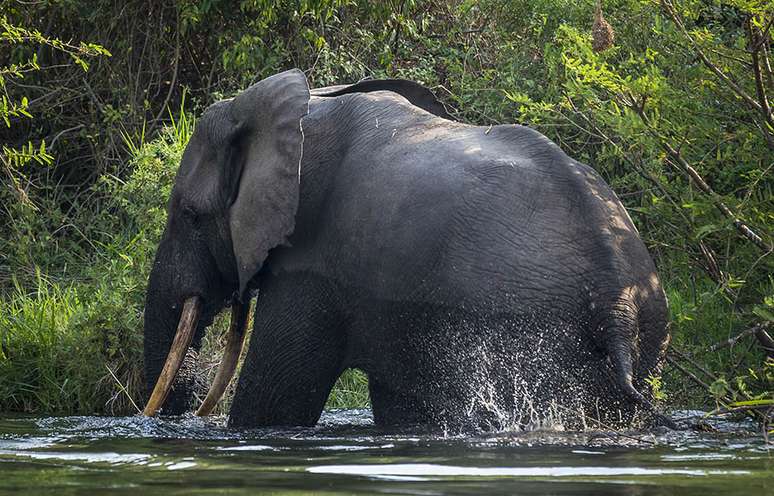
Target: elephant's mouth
{"points": [[189, 317]]}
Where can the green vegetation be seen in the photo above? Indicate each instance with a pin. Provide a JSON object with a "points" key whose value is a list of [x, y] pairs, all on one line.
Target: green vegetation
{"points": [[676, 115]]}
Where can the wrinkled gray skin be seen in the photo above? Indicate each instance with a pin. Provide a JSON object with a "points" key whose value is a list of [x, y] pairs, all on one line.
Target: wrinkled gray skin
{"points": [[477, 275]]}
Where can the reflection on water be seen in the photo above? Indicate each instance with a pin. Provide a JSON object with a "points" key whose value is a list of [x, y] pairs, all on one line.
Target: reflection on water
{"points": [[428, 469], [346, 453]]}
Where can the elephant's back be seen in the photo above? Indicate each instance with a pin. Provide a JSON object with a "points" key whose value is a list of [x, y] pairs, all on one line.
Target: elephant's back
{"points": [[417, 207]]}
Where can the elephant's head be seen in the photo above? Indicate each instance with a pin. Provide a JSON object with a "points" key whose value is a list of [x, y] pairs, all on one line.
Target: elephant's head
{"points": [[234, 199]]}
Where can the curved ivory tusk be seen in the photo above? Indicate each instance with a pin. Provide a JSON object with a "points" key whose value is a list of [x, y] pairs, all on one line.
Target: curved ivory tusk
{"points": [[189, 317], [234, 340]]}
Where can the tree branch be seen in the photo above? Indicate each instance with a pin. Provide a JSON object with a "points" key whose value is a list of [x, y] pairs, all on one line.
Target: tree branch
{"points": [[687, 169], [751, 102], [733, 340], [760, 89]]}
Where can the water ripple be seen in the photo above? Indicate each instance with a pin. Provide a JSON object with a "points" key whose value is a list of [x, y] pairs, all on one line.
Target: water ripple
{"points": [[426, 469]]}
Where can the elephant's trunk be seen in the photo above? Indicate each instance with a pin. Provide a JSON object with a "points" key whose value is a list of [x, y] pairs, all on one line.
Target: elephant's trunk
{"points": [[185, 291], [189, 318]]}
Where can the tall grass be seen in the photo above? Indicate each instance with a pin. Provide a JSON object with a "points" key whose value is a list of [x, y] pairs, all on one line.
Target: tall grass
{"points": [[350, 391], [58, 344], [71, 340]]}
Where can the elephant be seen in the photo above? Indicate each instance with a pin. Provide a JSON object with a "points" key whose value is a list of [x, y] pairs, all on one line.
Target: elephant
{"points": [[478, 276]]}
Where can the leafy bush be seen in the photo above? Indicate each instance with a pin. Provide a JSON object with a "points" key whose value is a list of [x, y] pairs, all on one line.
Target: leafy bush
{"points": [[672, 115]]}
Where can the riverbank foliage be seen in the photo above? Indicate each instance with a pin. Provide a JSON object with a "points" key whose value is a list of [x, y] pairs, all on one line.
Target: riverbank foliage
{"points": [[671, 105]]}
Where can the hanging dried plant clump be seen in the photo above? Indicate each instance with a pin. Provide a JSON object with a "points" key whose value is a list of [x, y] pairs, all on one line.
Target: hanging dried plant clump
{"points": [[602, 31]]}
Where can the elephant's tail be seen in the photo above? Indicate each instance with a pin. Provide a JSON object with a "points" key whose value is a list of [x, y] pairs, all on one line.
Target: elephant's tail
{"points": [[622, 329]]}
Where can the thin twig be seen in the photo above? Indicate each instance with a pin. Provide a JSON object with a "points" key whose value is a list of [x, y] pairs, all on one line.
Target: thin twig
{"points": [[174, 72], [123, 389], [60, 133], [760, 88], [765, 341], [602, 424], [733, 340], [694, 363], [398, 26], [721, 411], [763, 36], [687, 372], [724, 400]]}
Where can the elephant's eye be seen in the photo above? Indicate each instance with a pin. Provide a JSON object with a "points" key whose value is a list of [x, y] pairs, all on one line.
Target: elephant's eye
{"points": [[190, 214]]}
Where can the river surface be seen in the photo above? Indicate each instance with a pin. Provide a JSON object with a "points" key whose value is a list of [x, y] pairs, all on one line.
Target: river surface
{"points": [[347, 454]]}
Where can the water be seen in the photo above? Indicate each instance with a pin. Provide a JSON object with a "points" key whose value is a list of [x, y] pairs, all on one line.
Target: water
{"points": [[346, 454]]}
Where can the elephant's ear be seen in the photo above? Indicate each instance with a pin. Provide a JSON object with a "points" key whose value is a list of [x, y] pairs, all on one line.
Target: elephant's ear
{"points": [[415, 93], [270, 147]]}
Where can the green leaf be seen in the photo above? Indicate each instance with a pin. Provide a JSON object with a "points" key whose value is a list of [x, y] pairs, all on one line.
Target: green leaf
{"points": [[759, 402], [763, 312]]}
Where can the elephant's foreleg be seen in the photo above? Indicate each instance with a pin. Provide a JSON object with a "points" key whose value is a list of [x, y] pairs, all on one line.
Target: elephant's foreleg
{"points": [[296, 353]]}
